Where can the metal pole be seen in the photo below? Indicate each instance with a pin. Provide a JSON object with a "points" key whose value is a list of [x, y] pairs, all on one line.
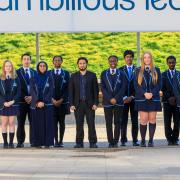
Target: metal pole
{"points": [[37, 47], [138, 43]]}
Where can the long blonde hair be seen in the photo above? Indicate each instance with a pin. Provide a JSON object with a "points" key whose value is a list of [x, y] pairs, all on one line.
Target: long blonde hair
{"points": [[13, 72], [152, 69]]}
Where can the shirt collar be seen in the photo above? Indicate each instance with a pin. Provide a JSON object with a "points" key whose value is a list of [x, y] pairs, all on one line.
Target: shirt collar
{"points": [[55, 69], [114, 70], [129, 66], [28, 69]]}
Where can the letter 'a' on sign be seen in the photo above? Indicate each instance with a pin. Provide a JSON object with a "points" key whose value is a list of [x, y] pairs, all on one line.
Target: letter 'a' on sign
{"points": [[89, 15]]}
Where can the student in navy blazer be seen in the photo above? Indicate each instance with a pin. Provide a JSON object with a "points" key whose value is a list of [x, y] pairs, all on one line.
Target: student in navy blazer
{"points": [[177, 90], [170, 109], [41, 90], [24, 74], [129, 104], [113, 85], [9, 101], [147, 83], [60, 98]]}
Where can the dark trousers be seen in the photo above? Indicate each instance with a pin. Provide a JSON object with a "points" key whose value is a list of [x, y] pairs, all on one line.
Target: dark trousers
{"points": [[59, 119], [82, 111], [134, 120], [113, 112], [21, 118], [171, 112]]}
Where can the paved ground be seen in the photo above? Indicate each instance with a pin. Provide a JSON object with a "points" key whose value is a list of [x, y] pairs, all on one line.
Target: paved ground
{"points": [[160, 162]]}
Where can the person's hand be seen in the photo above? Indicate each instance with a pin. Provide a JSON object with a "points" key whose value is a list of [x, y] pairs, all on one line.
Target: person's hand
{"points": [[94, 107], [128, 100], [172, 101], [54, 102], [28, 99], [11, 103], [73, 108], [113, 101], [59, 102], [40, 104], [6, 104], [148, 95]]}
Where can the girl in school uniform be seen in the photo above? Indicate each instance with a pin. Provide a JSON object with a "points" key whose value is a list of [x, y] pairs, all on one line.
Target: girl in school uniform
{"points": [[41, 90], [9, 99], [147, 83]]}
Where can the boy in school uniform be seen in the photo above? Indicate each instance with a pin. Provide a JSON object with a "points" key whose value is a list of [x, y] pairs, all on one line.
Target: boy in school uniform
{"points": [[24, 74], [129, 104], [170, 103], [113, 89]]}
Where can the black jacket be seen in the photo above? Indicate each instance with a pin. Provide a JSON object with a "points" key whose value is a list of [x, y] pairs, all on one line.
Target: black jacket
{"points": [[176, 82], [15, 92], [92, 90]]}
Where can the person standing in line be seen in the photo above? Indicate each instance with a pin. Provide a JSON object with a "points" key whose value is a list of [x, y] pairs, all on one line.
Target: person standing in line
{"points": [[24, 74], [9, 101], [170, 109], [129, 103], [83, 95], [41, 90], [60, 98], [147, 83], [113, 85]]}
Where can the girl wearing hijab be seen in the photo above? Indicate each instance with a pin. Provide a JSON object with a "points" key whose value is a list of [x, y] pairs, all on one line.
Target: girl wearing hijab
{"points": [[147, 84], [9, 99], [41, 90]]}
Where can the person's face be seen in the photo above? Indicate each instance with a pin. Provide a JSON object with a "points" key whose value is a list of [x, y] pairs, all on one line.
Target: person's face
{"points": [[129, 59], [57, 62], [171, 64], [82, 65], [42, 68], [26, 61], [113, 63], [147, 59], [8, 67]]}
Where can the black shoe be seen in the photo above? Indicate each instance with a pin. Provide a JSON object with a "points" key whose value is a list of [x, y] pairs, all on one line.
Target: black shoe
{"points": [[176, 143], [61, 145], [170, 143], [150, 144], [33, 145], [143, 143], [79, 146], [56, 145], [5, 146], [110, 145], [123, 144], [135, 144], [11, 145], [20, 145], [115, 145], [93, 145]]}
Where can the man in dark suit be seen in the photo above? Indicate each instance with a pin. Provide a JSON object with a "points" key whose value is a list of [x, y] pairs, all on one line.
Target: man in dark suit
{"points": [[129, 104], [60, 98], [83, 96], [169, 102], [113, 89], [24, 74]]}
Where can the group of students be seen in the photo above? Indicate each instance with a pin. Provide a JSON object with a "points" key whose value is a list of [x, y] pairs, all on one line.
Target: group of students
{"points": [[47, 96]]}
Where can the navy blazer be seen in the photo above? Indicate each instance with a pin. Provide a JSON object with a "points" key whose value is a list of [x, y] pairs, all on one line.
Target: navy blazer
{"points": [[15, 92], [167, 86], [47, 92], [21, 76], [176, 82], [130, 91], [92, 90], [64, 84], [140, 90], [119, 89]]}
